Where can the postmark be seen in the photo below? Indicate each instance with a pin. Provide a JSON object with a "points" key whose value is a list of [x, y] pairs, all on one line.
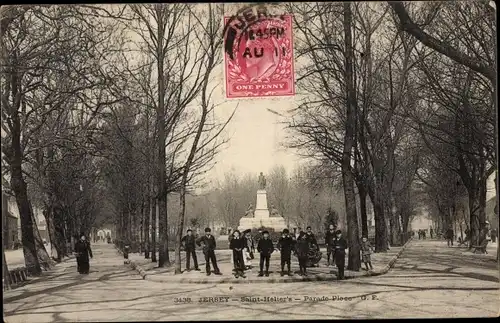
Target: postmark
{"points": [[258, 54]]}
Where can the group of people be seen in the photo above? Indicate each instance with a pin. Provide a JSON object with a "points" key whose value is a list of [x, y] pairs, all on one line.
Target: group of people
{"points": [[422, 234], [304, 246]]}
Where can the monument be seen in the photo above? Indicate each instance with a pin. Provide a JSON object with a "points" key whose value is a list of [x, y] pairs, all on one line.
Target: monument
{"points": [[260, 216]]}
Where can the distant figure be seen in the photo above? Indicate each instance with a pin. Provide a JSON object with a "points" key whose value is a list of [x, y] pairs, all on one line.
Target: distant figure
{"points": [[366, 251], [262, 181], [83, 251], [494, 235], [249, 212], [431, 233], [449, 236]]}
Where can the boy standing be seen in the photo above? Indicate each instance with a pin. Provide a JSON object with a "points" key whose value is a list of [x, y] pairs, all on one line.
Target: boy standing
{"points": [[366, 251], [237, 244], [285, 246], [189, 245], [266, 248], [340, 245], [302, 249], [329, 238], [209, 245]]}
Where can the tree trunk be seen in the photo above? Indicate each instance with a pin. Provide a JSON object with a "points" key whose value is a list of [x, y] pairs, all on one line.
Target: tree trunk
{"points": [[161, 165], [147, 217], [153, 216], [354, 261], [364, 216], [42, 254], [180, 229], [18, 185], [496, 209], [55, 251], [475, 217], [5, 269]]}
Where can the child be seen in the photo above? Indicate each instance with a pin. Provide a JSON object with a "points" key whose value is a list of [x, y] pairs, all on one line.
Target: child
{"points": [[366, 250], [302, 249], [285, 246], [189, 245], [209, 245], [237, 245], [248, 250], [266, 248]]}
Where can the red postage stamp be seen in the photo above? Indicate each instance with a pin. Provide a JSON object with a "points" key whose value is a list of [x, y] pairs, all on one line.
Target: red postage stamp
{"points": [[259, 56]]}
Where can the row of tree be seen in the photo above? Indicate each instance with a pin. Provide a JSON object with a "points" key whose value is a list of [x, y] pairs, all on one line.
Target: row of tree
{"points": [[105, 111], [108, 118], [400, 97]]}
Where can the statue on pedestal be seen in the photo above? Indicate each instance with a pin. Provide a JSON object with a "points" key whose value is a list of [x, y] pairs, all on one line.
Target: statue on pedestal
{"points": [[262, 181], [249, 212], [274, 211]]}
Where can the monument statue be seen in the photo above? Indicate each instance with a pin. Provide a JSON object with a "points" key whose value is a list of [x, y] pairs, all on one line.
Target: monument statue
{"points": [[262, 181], [249, 212], [261, 215], [274, 211]]}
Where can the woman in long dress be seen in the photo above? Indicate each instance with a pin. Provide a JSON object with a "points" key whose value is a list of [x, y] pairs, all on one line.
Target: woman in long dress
{"points": [[83, 251], [249, 249]]}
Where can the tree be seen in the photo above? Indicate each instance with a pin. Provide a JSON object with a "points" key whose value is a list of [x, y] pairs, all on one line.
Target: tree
{"points": [[478, 20], [43, 47]]}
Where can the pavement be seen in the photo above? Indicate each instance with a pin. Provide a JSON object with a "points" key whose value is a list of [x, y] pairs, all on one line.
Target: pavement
{"points": [[381, 262], [429, 280]]}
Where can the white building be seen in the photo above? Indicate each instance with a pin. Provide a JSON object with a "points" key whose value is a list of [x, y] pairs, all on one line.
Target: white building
{"points": [[421, 221]]}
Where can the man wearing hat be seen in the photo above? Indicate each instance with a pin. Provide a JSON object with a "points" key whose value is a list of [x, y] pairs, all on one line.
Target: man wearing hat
{"points": [[209, 245], [266, 248], [286, 244], [339, 247]]}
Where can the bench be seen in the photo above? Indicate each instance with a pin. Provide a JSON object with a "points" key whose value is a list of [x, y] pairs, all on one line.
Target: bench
{"points": [[481, 248], [462, 242], [17, 276]]}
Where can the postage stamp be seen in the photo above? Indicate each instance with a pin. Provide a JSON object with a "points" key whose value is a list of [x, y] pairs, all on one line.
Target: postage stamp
{"points": [[258, 55]]}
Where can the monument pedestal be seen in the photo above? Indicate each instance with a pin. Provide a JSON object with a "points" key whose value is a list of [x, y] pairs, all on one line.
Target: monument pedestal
{"points": [[261, 216]]}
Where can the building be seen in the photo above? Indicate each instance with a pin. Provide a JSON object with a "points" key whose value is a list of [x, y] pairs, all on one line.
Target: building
{"points": [[11, 222], [421, 221]]}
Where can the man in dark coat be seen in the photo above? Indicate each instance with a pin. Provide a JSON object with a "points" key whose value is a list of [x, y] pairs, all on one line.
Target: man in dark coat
{"points": [[329, 238], [83, 251], [209, 245], [339, 245], [237, 244], [189, 242], [266, 248], [257, 236], [302, 250], [285, 245], [449, 236]]}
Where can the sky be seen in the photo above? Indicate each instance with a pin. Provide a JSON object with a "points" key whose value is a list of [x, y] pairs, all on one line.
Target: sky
{"points": [[255, 137]]}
